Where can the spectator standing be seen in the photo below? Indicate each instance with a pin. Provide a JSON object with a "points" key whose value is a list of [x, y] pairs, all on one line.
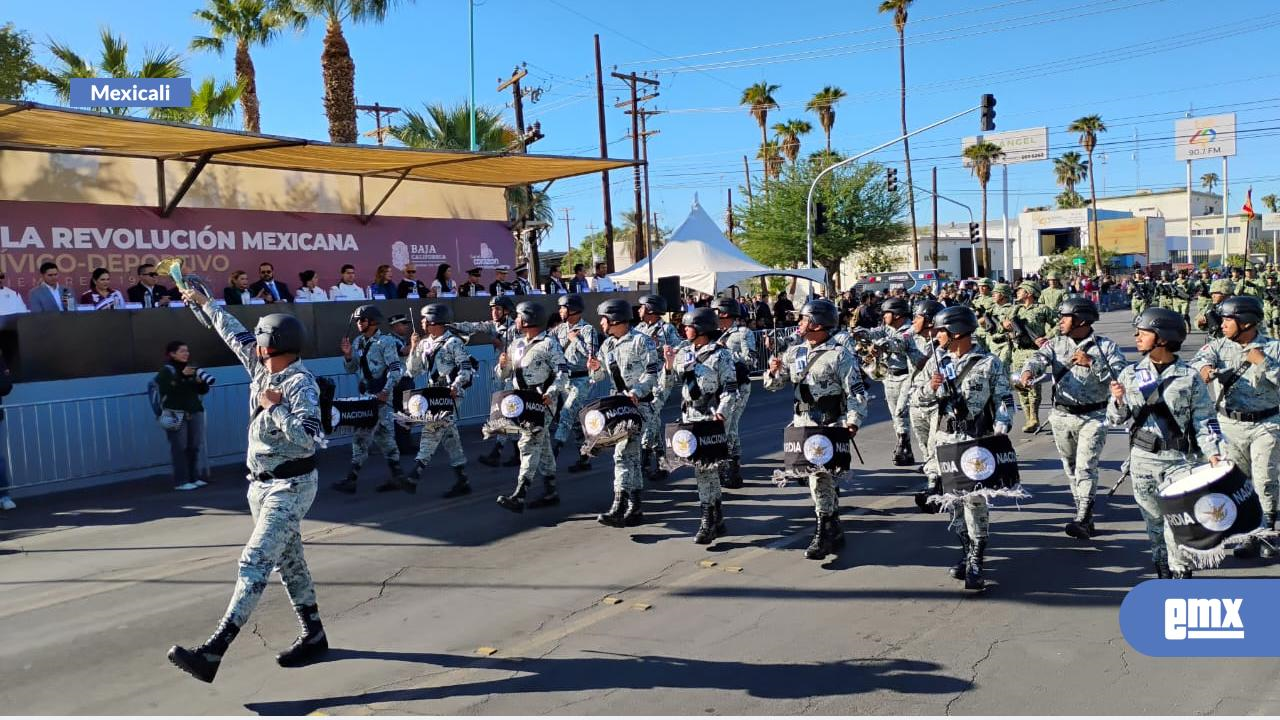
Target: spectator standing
{"points": [[237, 292], [472, 287], [100, 295], [444, 282], [783, 311], [411, 287], [578, 284], [275, 290], [181, 386], [148, 292], [347, 289], [308, 289], [10, 301], [47, 296], [763, 313], [600, 282], [6, 387], [382, 288]]}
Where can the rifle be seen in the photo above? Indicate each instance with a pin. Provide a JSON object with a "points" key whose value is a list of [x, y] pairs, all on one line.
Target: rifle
{"points": [[1023, 332]]}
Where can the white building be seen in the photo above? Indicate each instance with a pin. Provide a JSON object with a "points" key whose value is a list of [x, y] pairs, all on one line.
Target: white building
{"points": [[956, 253], [1206, 223]]}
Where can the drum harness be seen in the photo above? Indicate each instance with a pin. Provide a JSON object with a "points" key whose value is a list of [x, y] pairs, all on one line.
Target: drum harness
{"points": [[831, 407], [369, 385], [434, 377], [702, 402], [521, 383], [1092, 340], [740, 368], [957, 412], [1227, 380], [615, 373], [1172, 436]]}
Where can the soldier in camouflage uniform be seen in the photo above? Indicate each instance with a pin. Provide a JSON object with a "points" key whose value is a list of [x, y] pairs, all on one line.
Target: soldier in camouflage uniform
{"points": [[1180, 295], [965, 389], [984, 299], [534, 361], [664, 335], [1251, 285], [1083, 365], [502, 328], [1271, 303], [1210, 318], [704, 372], [1053, 294], [1141, 293], [894, 343], [1166, 437], [741, 342], [1202, 290], [989, 332], [630, 357], [1244, 366], [284, 432], [375, 359], [828, 391], [578, 341], [441, 357], [1237, 280], [1028, 326], [921, 417]]}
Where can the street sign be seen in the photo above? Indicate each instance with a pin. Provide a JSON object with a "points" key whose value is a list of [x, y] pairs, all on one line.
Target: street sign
{"points": [[1270, 221], [1078, 261], [1205, 137], [1019, 146]]}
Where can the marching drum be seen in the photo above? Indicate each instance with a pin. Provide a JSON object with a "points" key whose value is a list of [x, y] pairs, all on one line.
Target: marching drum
{"points": [[987, 465], [699, 444], [1209, 506], [808, 449], [608, 421], [430, 405], [358, 413], [511, 410]]}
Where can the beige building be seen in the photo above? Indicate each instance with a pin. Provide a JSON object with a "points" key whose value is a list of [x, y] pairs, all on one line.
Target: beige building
{"points": [[1207, 223]]}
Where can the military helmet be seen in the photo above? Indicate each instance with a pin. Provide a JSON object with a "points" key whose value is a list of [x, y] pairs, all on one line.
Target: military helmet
{"points": [[1245, 309], [1080, 308], [704, 321], [616, 309], [1221, 286], [1167, 324], [1030, 287], [503, 302], [1002, 289], [958, 320], [367, 312], [726, 306], [280, 333], [928, 308], [655, 303], [531, 314], [437, 314], [821, 312], [1164, 274], [984, 282], [897, 306], [572, 302], [1053, 275]]}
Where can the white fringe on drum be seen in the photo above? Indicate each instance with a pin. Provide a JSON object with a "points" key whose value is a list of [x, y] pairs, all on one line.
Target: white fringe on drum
{"points": [[620, 432], [426, 421], [947, 501], [493, 429], [1210, 559], [781, 477]]}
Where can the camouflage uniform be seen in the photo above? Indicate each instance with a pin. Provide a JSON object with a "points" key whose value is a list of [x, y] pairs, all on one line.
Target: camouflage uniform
{"points": [[1251, 286], [636, 358], [900, 354], [543, 368], [990, 333], [1188, 401], [1209, 311], [664, 335], [741, 343], [1052, 297], [290, 430], [1040, 321], [920, 417], [707, 384], [504, 331], [1141, 294], [444, 362], [576, 353], [1180, 299], [376, 362]]}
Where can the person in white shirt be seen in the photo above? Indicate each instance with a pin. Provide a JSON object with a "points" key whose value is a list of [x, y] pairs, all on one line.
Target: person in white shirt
{"points": [[10, 302], [600, 282], [309, 290], [347, 289]]}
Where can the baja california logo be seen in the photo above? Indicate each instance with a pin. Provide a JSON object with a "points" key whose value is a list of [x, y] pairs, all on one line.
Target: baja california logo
{"points": [[818, 449], [684, 443], [977, 463]]}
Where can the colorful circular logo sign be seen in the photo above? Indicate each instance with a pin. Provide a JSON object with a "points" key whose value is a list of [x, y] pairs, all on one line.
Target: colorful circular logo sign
{"points": [[818, 449], [593, 423], [512, 407], [684, 443], [417, 406], [977, 463], [1215, 511]]}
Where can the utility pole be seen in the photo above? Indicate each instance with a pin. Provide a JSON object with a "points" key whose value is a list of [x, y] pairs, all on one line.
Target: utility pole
{"points": [[746, 172], [935, 217], [568, 240], [378, 111], [640, 243], [729, 213], [523, 141], [604, 153], [648, 205]]}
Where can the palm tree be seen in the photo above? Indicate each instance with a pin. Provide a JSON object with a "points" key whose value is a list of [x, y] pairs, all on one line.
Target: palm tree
{"points": [[759, 101], [982, 156], [248, 23], [899, 9], [1088, 128], [211, 104], [789, 133], [336, 65], [771, 158], [441, 127], [1070, 169], [113, 62], [823, 103], [1271, 202], [1208, 181]]}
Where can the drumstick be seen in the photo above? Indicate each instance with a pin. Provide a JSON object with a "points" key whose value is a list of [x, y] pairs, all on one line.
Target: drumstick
{"points": [[853, 444], [1119, 481]]}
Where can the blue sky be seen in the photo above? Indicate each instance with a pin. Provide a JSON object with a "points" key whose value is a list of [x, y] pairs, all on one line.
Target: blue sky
{"points": [[1138, 63]]}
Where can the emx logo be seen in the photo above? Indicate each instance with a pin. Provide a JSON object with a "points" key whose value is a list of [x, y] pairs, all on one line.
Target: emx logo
{"points": [[1203, 619]]}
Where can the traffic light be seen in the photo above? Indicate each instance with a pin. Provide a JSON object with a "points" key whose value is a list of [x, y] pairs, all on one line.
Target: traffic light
{"points": [[819, 218], [973, 233], [988, 113], [891, 179]]}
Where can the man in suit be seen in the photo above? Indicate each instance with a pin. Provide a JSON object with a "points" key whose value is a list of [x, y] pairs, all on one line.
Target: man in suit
{"points": [[472, 285], [578, 283], [277, 291], [554, 284], [47, 296], [148, 291]]}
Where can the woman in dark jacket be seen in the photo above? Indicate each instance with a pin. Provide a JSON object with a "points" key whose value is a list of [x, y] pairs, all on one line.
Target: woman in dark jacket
{"points": [[181, 386]]}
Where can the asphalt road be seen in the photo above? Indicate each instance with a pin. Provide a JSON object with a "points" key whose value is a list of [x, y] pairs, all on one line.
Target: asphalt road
{"points": [[413, 587]]}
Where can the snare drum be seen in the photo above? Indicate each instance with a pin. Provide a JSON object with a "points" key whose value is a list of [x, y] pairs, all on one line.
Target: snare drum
{"points": [[512, 410], [1210, 505], [808, 449], [700, 444], [431, 403], [609, 420], [360, 413], [987, 463]]}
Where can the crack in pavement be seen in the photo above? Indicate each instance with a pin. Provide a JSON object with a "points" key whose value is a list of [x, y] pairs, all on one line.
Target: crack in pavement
{"points": [[973, 678], [1124, 655], [264, 640], [382, 588]]}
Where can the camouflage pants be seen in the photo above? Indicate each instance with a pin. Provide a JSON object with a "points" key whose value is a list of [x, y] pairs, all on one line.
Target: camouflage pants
{"points": [[1150, 473], [1028, 400], [535, 455], [1182, 307], [1079, 439], [921, 420], [1255, 448], [971, 514], [446, 435], [895, 390], [579, 389], [822, 488], [381, 435], [277, 508], [628, 471], [1139, 305], [736, 408], [708, 480], [653, 426]]}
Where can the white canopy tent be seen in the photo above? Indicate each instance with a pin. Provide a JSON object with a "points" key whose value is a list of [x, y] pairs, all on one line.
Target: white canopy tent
{"points": [[705, 260]]}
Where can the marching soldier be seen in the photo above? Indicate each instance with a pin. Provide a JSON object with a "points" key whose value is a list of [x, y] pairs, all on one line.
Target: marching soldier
{"points": [[1163, 291], [376, 361], [1083, 365], [1206, 282], [578, 341], [966, 391], [741, 342], [1180, 295], [401, 331], [894, 343], [629, 360], [1237, 281], [441, 357], [284, 432], [1251, 285], [983, 300], [1210, 318], [1271, 300], [1244, 366], [1140, 292], [1170, 417], [920, 417], [1052, 296], [664, 335], [989, 331], [534, 361], [828, 392], [1028, 326], [501, 327]]}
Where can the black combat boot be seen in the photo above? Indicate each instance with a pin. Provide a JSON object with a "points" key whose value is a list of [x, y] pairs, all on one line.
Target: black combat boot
{"points": [[660, 471], [491, 459], [1250, 549], [973, 569], [1162, 570], [903, 456], [633, 516], [1266, 549], [514, 460], [731, 473], [582, 465], [398, 480], [720, 527], [515, 501], [706, 526], [837, 531], [309, 645], [348, 485], [1081, 528], [1180, 574], [820, 547], [461, 485], [549, 495], [958, 570], [202, 662], [613, 516]]}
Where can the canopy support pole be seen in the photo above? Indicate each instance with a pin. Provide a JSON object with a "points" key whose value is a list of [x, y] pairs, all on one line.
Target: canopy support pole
{"points": [[160, 201], [187, 182], [364, 219]]}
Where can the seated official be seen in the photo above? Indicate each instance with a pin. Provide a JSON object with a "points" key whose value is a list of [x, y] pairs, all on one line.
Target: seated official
{"points": [[268, 288], [238, 293], [148, 291], [100, 295], [310, 290], [10, 302]]}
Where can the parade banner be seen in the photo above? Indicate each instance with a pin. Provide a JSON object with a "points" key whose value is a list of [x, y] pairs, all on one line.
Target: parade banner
{"points": [[79, 237]]}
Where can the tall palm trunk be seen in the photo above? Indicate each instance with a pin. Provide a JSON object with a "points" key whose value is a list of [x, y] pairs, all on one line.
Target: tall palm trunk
{"points": [[1093, 222], [986, 246], [249, 96], [339, 85], [827, 132], [906, 148]]}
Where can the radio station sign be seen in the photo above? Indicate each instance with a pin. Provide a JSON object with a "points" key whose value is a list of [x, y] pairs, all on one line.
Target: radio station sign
{"points": [[1205, 137], [1270, 221], [1019, 146]]}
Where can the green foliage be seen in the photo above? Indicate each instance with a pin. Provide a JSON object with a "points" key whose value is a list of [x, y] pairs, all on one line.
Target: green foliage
{"points": [[18, 69], [594, 246], [1069, 200], [212, 103], [1064, 262], [1235, 261], [443, 127], [113, 62], [879, 259]]}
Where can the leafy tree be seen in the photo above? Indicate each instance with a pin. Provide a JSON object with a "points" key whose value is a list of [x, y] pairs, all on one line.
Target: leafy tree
{"points": [[18, 69], [448, 127], [1064, 262], [1208, 181], [982, 156], [771, 157], [211, 104], [247, 23], [789, 133], [899, 9], [1271, 202], [113, 62], [879, 259], [1069, 170], [1069, 200]]}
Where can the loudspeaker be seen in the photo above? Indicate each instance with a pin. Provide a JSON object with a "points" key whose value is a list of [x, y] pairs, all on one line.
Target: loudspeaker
{"points": [[669, 289]]}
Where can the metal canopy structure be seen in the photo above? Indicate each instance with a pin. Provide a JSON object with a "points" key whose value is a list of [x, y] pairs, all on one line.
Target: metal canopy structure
{"points": [[42, 128]]}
